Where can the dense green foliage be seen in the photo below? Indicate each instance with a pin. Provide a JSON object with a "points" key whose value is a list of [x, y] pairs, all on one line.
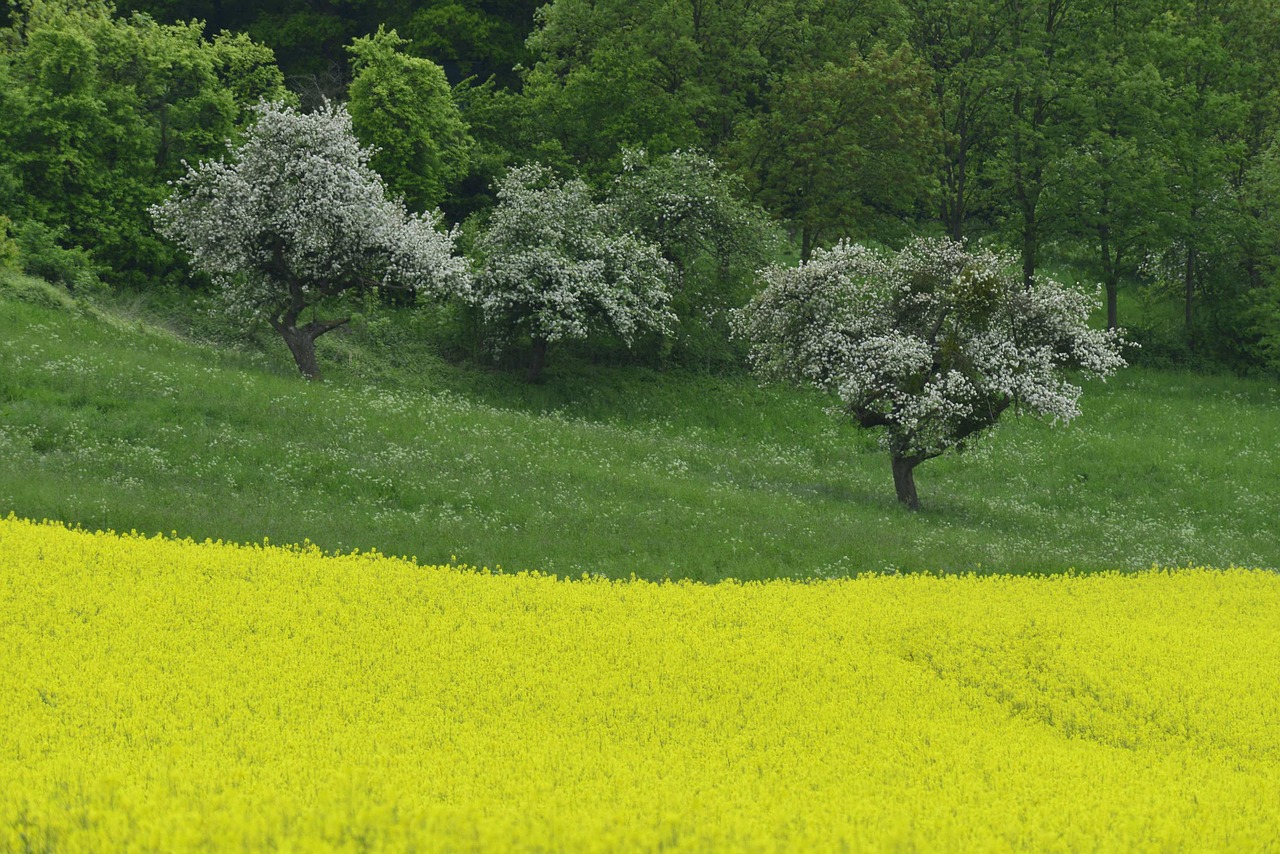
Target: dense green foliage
{"points": [[100, 112], [401, 105], [108, 421], [845, 149], [466, 36], [1132, 142]]}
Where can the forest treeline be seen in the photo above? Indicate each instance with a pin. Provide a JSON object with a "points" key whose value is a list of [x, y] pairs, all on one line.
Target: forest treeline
{"points": [[1136, 143]]}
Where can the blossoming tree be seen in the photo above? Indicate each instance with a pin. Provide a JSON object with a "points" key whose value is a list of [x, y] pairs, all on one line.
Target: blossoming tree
{"points": [[931, 345], [558, 265], [294, 218], [698, 216]]}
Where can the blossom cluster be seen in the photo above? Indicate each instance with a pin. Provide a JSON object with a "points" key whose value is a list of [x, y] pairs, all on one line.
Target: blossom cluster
{"points": [[296, 213], [166, 694], [931, 343], [559, 265], [688, 205]]}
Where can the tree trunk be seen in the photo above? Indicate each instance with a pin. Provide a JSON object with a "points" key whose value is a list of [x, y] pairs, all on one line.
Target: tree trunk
{"points": [[904, 481], [958, 178], [958, 206], [1028, 176], [1030, 241], [303, 347], [1113, 288], [1110, 271], [1189, 286], [162, 152], [302, 340], [806, 242], [537, 361]]}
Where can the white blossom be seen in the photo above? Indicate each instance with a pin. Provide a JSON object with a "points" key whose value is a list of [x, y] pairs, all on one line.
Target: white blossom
{"points": [[931, 344], [295, 215], [557, 265]]}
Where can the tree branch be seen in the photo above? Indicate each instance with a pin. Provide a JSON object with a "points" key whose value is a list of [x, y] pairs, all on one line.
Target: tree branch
{"points": [[316, 328], [869, 417]]}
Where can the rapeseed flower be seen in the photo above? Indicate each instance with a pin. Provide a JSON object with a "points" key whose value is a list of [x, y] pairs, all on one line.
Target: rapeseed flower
{"points": [[166, 694]]}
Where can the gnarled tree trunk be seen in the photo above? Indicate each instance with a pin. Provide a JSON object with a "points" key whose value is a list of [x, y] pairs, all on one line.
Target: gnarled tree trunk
{"points": [[303, 349], [904, 480], [302, 342]]}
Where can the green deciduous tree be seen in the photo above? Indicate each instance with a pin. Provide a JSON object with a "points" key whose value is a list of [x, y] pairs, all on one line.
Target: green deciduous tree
{"points": [[483, 38], [612, 74], [1114, 191], [402, 106], [1205, 125], [480, 37], [1218, 110], [101, 111], [959, 40], [1262, 192], [846, 149], [1042, 49]]}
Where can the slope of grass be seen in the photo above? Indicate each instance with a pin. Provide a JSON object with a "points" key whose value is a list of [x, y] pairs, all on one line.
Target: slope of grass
{"points": [[112, 423]]}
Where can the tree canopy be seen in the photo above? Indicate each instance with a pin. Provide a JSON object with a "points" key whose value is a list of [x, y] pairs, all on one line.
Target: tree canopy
{"points": [[930, 345], [402, 107], [294, 218], [1128, 141], [558, 265], [100, 113]]}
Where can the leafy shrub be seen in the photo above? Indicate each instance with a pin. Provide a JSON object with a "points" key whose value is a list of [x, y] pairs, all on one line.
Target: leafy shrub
{"points": [[42, 254], [9, 250]]}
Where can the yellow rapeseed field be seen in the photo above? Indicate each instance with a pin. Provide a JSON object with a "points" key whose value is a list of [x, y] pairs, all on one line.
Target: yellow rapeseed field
{"points": [[169, 695]]}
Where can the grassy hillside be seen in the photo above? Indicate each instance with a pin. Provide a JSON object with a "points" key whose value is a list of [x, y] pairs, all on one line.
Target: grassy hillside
{"points": [[108, 422]]}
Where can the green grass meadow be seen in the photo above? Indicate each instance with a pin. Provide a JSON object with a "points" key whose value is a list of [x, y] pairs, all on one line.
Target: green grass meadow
{"points": [[109, 421]]}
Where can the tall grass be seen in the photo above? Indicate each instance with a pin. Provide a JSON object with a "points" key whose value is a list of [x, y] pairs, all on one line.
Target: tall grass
{"points": [[112, 423]]}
